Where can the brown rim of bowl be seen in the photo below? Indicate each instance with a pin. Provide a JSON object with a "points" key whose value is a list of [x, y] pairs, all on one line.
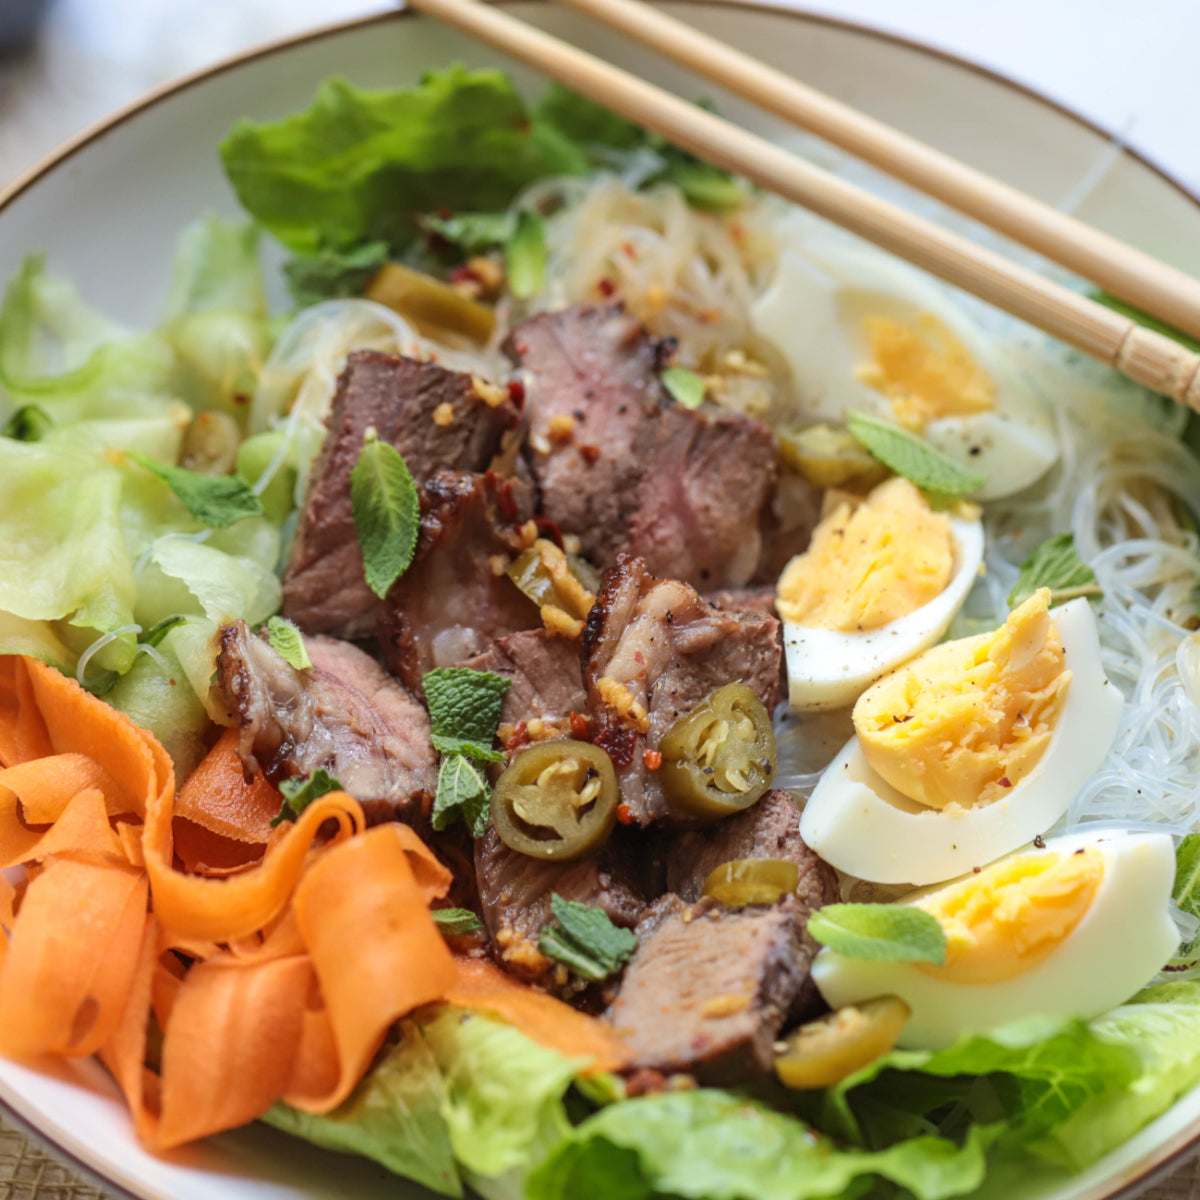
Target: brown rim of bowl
{"points": [[1164, 1157]]}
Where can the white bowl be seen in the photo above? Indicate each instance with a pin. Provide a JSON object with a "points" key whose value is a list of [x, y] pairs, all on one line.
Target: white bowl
{"points": [[107, 210]]}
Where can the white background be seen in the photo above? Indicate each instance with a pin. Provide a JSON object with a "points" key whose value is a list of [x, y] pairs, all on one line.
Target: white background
{"points": [[1130, 65]]}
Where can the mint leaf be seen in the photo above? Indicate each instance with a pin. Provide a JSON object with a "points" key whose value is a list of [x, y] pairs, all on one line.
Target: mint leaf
{"points": [[1187, 881], [472, 232], [387, 512], [1055, 565], [685, 386], [916, 460], [288, 643], [462, 791], [464, 710], [880, 932], [333, 274], [456, 921], [525, 253], [300, 792], [217, 500], [586, 940], [28, 424], [159, 630]]}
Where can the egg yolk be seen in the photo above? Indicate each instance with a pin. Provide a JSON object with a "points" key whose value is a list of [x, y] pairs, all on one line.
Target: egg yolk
{"points": [[869, 564], [924, 370], [1013, 914], [965, 722]]}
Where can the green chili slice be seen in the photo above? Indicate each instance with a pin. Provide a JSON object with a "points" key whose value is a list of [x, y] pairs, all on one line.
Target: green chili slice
{"points": [[556, 801], [752, 881], [826, 1051], [720, 758]]}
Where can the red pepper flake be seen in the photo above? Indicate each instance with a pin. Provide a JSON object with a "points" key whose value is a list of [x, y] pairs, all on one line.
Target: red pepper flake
{"points": [[652, 759], [606, 287], [625, 814], [519, 736], [1004, 781], [548, 529], [589, 454], [516, 392], [444, 213], [630, 249], [581, 727], [522, 348], [618, 743], [241, 398], [463, 274], [505, 500]]}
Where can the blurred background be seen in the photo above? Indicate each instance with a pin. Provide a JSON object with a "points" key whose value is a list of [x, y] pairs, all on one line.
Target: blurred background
{"points": [[67, 63]]}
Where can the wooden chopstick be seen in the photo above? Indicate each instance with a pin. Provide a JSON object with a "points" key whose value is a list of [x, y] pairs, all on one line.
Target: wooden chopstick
{"points": [[1125, 272], [1149, 358]]}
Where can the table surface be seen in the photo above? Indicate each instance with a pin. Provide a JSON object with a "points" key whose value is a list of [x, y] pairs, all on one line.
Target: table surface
{"points": [[1126, 66]]}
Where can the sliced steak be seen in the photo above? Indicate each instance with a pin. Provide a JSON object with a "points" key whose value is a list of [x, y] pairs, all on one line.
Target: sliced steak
{"points": [[450, 605], [437, 419], [345, 714], [515, 891], [696, 515], [652, 651], [547, 681], [709, 988], [595, 368], [623, 468], [760, 599], [769, 829]]}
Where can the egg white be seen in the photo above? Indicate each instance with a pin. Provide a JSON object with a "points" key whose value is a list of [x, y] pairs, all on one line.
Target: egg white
{"points": [[1120, 943], [813, 311], [863, 826], [827, 668]]}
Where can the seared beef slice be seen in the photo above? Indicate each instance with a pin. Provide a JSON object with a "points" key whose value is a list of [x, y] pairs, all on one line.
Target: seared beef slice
{"points": [[450, 604], [515, 891], [345, 714], [652, 651], [437, 419], [625, 469], [709, 988]]}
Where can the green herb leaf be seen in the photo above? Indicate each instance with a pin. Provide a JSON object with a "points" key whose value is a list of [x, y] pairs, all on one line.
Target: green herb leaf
{"points": [[880, 932], [462, 791], [1055, 565], [464, 710], [299, 793], [916, 460], [217, 500], [333, 274], [704, 186], [473, 232], [1187, 881], [586, 940], [525, 254], [685, 386], [456, 921], [28, 424], [287, 641], [387, 512], [159, 630]]}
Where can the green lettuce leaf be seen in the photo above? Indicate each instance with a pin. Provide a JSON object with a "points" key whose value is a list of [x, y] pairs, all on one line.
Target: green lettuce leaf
{"points": [[711, 1145], [359, 166], [394, 1116], [332, 274]]}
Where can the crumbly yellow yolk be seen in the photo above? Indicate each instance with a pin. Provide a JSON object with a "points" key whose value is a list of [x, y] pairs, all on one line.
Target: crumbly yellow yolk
{"points": [[924, 370], [869, 565], [1012, 915], [965, 722]]}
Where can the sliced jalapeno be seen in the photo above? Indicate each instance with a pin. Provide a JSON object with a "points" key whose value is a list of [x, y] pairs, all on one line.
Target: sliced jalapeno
{"points": [[549, 577], [556, 800], [752, 881], [825, 1052], [432, 306], [720, 757]]}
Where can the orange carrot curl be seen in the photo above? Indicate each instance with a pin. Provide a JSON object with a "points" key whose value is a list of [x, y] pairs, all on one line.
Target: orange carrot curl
{"points": [[270, 963]]}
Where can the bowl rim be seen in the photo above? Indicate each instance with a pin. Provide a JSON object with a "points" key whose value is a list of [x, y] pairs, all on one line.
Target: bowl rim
{"points": [[1158, 1162]]}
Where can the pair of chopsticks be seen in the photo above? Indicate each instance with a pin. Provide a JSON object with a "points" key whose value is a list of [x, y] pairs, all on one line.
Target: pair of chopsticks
{"points": [[1147, 357]]}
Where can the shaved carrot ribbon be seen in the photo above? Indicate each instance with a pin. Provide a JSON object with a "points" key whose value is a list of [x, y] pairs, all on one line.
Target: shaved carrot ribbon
{"points": [[270, 963]]}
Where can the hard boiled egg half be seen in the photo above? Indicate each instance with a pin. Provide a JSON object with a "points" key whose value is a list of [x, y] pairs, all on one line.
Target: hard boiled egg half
{"points": [[862, 331], [1068, 930], [880, 582], [968, 751]]}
